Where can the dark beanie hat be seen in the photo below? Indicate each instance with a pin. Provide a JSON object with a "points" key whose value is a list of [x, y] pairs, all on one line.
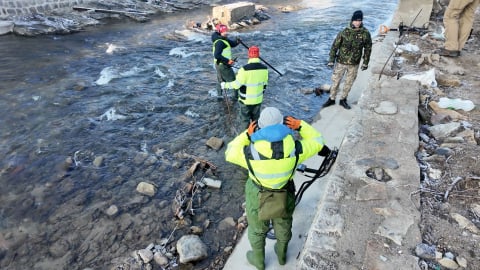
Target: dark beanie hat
{"points": [[357, 16]]}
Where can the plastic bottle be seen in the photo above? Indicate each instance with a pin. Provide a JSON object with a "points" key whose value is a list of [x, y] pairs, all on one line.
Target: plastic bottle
{"points": [[456, 104]]}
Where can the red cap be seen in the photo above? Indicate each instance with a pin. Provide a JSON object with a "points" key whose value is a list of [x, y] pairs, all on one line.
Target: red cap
{"points": [[253, 52], [221, 28]]}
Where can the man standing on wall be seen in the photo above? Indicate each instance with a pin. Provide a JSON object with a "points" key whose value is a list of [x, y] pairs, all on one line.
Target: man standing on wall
{"points": [[458, 21], [222, 54], [345, 54]]}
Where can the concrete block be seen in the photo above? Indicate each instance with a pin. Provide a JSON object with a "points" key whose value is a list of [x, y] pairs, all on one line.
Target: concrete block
{"points": [[215, 143], [6, 27], [228, 14], [212, 182]]}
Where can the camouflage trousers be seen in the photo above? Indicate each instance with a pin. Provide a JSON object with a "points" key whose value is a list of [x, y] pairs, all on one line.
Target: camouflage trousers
{"points": [[338, 73]]}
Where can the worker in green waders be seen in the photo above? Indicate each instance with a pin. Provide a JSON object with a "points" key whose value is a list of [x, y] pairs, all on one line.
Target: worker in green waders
{"points": [[271, 153], [222, 57], [251, 81]]}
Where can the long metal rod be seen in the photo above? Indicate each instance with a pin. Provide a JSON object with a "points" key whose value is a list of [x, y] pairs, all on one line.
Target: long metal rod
{"points": [[244, 45], [398, 43]]}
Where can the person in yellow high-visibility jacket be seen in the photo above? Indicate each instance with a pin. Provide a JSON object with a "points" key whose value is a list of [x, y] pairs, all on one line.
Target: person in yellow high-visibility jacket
{"points": [[271, 154], [251, 81], [222, 57]]}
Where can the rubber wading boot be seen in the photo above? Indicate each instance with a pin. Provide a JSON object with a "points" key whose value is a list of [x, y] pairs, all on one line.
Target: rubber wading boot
{"points": [[344, 103], [281, 251], [328, 103], [256, 258]]}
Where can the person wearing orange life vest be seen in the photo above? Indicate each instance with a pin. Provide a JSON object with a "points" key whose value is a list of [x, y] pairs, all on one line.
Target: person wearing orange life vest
{"points": [[251, 81], [271, 154], [222, 54]]}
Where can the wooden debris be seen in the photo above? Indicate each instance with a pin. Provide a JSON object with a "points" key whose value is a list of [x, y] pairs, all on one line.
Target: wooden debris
{"points": [[184, 196], [193, 168], [205, 163], [445, 197]]}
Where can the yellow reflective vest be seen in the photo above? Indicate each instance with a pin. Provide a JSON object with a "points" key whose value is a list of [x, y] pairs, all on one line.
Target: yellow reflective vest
{"points": [[251, 81], [227, 51], [272, 171]]}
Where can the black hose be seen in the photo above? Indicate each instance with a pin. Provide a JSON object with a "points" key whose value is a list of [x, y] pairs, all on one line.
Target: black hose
{"points": [[323, 170]]}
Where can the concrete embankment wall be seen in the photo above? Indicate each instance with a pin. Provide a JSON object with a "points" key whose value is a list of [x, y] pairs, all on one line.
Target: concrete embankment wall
{"points": [[361, 216], [10, 8]]}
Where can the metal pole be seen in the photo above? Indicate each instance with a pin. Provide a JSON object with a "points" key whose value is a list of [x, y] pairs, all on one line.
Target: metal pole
{"points": [[396, 46]]}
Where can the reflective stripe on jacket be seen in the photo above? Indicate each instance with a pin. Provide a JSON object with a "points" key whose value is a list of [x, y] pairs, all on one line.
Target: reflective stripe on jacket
{"points": [[274, 172], [226, 52], [269, 172], [251, 80]]}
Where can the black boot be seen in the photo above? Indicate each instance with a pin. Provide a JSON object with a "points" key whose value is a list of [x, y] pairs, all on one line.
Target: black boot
{"points": [[343, 102], [449, 53], [328, 103]]}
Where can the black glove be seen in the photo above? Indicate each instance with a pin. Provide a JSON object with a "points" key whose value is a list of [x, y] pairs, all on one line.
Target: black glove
{"points": [[325, 151]]}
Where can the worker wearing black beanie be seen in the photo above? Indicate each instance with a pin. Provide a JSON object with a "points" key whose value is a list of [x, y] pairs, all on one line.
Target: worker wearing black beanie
{"points": [[349, 47], [357, 16]]}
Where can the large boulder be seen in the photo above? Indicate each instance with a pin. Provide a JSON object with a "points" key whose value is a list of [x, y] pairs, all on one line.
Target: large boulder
{"points": [[190, 248]]}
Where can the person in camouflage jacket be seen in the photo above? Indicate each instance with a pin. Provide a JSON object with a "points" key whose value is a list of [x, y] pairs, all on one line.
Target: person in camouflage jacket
{"points": [[345, 54]]}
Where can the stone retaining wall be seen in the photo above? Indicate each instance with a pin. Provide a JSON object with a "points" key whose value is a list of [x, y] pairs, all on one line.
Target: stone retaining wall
{"points": [[10, 8]]}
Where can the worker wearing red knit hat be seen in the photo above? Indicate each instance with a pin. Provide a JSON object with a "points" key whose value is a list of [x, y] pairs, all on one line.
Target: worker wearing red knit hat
{"points": [[251, 81], [222, 57]]}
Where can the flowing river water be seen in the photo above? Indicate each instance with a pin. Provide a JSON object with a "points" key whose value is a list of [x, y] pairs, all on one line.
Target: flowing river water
{"points": [[86, 117]]}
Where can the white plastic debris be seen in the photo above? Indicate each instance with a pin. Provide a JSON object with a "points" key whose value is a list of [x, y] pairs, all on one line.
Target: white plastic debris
{"points": [[212, 182], [426, 79], [408, 47], [456, 104]]}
